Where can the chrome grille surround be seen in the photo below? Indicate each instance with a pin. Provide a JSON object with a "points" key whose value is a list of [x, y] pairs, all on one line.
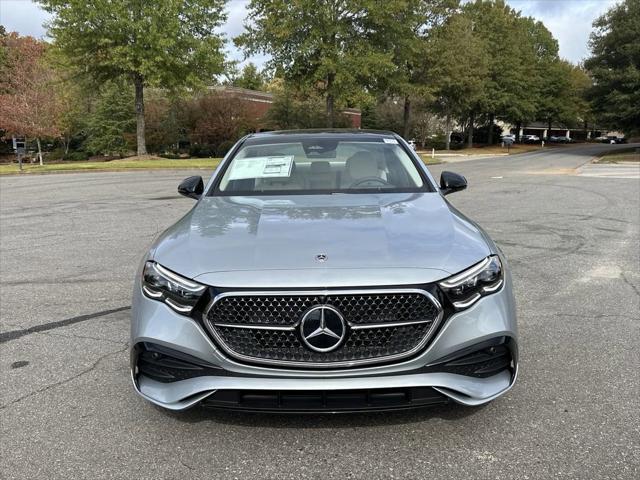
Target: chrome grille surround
{"points": [[270, 336]]}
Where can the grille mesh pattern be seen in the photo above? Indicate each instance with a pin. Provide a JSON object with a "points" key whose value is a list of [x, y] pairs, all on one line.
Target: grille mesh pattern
{"points": [[263, 310], [359, 345], [365, 344], [399, 307], [356, 309]]}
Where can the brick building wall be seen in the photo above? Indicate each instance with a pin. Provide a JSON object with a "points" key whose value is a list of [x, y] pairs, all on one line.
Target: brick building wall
{"points": [[259, 103]]}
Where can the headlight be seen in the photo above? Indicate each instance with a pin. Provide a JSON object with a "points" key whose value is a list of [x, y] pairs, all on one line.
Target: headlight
{"points": [[465, 288], [165, 286]]}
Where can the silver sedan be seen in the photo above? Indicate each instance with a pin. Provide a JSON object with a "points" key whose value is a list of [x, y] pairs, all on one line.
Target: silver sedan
{"points": [[323, 271]]}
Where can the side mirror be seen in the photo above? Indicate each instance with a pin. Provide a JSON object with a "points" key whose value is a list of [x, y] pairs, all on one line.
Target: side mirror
{"points": [[191, 187], [452, 182]]}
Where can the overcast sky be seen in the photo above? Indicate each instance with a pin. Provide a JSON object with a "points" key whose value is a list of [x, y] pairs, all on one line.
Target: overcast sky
{"points": [[569, 20]]}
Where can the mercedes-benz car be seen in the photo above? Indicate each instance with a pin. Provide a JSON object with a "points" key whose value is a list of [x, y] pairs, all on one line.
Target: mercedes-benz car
{"points": [[323, 271]]}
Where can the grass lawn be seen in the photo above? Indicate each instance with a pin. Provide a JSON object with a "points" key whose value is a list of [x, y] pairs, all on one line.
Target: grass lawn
{"points": [[631, 154], [426, 158], [146, 163], [132, 163]]}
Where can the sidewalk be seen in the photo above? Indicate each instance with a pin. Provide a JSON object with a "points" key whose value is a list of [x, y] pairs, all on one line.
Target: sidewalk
{"points": [[476, 153], [610, 170], [447, 157]]}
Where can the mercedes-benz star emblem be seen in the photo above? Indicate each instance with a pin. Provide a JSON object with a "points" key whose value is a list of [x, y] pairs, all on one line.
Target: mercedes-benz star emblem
{"points": [[321, 257], [323, 328]]}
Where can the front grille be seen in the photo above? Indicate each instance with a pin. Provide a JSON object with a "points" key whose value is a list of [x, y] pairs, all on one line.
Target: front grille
{"points": [[381, 326], [356, 308]]}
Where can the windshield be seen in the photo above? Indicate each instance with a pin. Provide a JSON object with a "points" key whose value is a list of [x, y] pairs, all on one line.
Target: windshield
{"points": [[289, 164]]}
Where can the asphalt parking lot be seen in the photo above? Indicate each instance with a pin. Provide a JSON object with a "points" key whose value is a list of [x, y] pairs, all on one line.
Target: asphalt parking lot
{"points": [[69, 246]]}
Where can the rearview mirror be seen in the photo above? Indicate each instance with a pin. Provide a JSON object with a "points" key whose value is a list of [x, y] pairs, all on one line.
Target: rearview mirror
{"points": [[191, 187], [452, 182]]}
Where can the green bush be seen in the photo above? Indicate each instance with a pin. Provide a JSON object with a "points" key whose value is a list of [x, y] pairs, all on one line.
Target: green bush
{"points": [[112, 124], [5, 147], [481, 134], [56, 154], [436, 142], [170, 155], [223, 148], [202, 150], [77, 156]]}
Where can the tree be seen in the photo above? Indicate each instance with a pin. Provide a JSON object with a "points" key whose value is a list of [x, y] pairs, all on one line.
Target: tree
{"points": [[251, 78], [75, 100], [488, 62], [165, 43], [508, 88], [539, 50], [407, 37], [27, 107], [456, 67], [426, 125], [164, 121], [581, 83], [615, 67], [219, 120], [112, 120], [329, 46], [292, 110], [3, 53], [386, 114], [561, 95]]}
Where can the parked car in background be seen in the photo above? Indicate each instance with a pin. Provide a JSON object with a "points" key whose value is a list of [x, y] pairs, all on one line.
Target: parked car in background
{"points": [[560, 139], [509, 139], [530, 139], [613, 139], [412, 144]]}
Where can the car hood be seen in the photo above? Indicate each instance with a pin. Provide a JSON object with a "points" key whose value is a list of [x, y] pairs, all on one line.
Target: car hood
{"points": [[368, 239]]}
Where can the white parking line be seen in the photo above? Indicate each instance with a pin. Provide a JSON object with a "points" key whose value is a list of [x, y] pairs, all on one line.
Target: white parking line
{"points": [[616, 170]]}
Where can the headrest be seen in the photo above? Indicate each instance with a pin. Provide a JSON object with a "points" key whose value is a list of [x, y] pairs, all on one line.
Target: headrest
{"points": [[362, 165]]}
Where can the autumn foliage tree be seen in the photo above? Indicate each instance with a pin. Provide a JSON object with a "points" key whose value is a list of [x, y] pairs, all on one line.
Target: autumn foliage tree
{"points": [[27, 107], [219, 119], [170, 44]]}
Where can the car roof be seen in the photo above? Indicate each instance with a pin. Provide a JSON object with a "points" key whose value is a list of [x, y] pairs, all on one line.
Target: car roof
{"points": [[326, 131]]}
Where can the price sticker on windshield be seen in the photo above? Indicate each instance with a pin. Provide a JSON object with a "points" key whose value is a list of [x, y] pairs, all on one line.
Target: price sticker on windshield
{"points": [[262, 167]]}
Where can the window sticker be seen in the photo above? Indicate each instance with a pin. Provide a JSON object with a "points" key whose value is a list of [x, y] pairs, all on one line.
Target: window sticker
{"points": [[262, 167], [390, 140]]}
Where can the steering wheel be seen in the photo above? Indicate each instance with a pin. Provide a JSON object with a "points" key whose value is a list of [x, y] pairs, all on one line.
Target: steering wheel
{"points": [[379, 180]]}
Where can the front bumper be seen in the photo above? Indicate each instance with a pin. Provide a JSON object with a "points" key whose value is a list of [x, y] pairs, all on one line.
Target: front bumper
{"points": [[491, 318]]}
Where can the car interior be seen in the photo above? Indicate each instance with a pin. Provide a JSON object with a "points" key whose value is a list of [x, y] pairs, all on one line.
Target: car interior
{"points": [[346, 166]]}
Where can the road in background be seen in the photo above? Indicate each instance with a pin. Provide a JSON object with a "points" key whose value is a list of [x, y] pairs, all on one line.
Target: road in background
{"points": [[69, 247]]}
